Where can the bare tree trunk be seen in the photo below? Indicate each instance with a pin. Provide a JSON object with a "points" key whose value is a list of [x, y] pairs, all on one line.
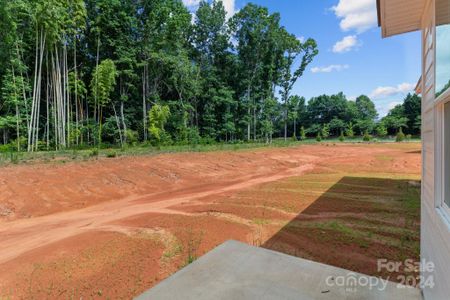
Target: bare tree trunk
{"points": [[76, 87], [248, 112], [124, 124], [96, 76], [295, 126], [118, 125], [47, 106], [144, 100], [285, 118], [17, 110], [254, 120], [34, 130]]}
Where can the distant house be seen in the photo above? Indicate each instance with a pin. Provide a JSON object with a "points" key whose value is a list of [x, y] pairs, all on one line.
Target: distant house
{"points": [[432, 17]]}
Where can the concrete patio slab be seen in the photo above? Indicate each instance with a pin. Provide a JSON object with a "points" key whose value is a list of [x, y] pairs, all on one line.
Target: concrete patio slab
{"points": [[238, 271]]}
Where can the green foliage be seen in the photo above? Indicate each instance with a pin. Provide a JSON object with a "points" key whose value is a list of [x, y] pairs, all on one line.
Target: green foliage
{"points": [[325, 133], [302, 133], [342, 137], [140, 71], [132, 137], [367, 137], [158, 116], [93, 153], [382, 130], [103, 82], [111, 154], [319, 137], [349, 131], [400, 136]]}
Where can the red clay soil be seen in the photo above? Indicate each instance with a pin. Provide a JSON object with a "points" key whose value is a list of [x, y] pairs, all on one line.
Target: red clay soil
{"points": [[115, 227]]}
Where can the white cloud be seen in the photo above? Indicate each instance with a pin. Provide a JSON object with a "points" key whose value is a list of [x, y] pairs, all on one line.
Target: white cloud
{"points": [[384, 107], [329, 69], [358, 15], [387, 91], [302, 39], [346, 44], [393, 104], [229, 6], [191, 3]]}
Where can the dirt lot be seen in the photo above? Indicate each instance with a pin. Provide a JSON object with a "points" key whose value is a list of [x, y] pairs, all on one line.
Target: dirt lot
{"points": [[116, 227]]}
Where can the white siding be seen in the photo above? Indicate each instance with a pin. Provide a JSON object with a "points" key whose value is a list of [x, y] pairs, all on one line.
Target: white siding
{"points": [[435, 234]]}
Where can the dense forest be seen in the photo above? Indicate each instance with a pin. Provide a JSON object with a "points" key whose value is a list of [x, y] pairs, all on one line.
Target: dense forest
{"points": [[83, 73]]}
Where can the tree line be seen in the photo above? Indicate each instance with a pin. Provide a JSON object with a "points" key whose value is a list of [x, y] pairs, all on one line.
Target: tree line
{"points": [[82, 73]]}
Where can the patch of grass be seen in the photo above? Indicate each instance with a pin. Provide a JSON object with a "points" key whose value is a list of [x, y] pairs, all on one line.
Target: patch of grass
{"points": [[337, 227], [94, 152], [384, 157], [173, 251]]}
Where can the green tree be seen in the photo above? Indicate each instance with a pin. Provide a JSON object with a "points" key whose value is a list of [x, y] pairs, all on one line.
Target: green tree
{"points": [[158, 116], [294, 49], [382, 130], [325, 131], [366, 108], [102, 85]]}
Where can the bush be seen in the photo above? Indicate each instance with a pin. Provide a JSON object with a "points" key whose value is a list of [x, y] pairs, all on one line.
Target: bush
{"points": [[342, 137], [349, 131], [408, 137], [400, 136], [294, 138], [367, 137], [302, 134], [6, 148], [111, 154], [131, 137], [382, 131], [93, 153], [326, 131], [210, 141], [193, 136], [319, 137]]}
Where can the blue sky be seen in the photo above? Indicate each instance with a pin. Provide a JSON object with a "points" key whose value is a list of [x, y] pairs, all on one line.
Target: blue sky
{"points": [[353, 57]]}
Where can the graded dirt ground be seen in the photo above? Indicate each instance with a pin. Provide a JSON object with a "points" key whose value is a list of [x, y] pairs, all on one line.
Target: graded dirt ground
{"points": [[112, 228]]}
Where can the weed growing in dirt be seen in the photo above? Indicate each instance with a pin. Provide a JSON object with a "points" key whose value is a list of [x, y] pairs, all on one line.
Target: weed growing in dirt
{"points": [[193, 243]]}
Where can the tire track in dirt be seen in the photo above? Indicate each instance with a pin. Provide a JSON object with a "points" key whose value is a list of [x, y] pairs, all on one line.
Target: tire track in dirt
{"points": [[22, 236]]}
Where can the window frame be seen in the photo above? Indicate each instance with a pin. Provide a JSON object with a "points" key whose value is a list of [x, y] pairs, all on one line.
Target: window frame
{"points": [[440, 164]]}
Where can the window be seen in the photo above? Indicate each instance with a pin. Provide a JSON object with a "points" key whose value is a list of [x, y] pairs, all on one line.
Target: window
{"points": [[442, 105], [446, 151]]}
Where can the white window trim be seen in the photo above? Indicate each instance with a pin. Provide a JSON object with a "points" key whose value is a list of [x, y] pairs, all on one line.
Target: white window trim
{"points": [[440, 154]]}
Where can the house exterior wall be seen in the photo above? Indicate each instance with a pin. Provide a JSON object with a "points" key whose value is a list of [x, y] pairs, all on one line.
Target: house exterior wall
{"points": [[435, 229]]}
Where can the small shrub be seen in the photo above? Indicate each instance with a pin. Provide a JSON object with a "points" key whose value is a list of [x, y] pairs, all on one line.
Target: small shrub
{"points": [[408, 137], [302, 134], [367, 137], [131, 137], [14, 157], [294, 138], [349, 131], [342, 137], [400, 136], [326, 131], [111, 154], [93, 153], [319, 137]]}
